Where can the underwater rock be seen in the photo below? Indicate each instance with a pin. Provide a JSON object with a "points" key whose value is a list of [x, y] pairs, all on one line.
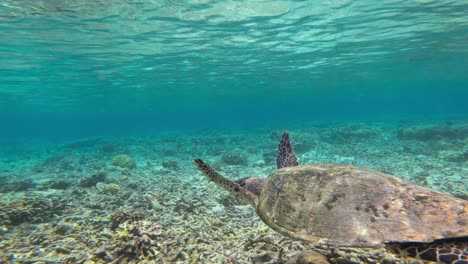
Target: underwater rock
{"points": [[92, 180], [123, 161], [308, 257], [234, 159]]}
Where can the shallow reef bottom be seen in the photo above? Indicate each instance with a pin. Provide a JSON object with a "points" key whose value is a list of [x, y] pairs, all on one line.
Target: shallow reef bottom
{"points": [[141, 200]]}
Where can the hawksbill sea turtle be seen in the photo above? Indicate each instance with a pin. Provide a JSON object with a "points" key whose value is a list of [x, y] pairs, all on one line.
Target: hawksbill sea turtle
{"points": [[343, 205]]}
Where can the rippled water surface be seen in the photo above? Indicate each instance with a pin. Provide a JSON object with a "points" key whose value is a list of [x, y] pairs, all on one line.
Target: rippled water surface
{"points": [[104, 104], [251, 61]]}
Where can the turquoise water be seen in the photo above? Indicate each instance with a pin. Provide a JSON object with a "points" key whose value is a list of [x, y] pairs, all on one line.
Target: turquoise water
{"points": [[104, 104], [100, 67]]}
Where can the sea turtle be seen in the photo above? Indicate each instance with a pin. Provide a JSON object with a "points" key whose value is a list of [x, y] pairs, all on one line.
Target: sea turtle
{"points": [[344, 205]]}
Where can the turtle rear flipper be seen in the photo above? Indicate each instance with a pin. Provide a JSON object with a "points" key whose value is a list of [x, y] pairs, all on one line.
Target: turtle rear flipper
{"points": [[286, 156], [225, 183], [447, 250]]}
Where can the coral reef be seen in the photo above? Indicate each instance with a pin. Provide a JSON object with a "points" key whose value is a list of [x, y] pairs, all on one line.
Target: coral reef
{"points": [[90, 210], [33, 209], [123, 161], [133, 243], [108, 188]]}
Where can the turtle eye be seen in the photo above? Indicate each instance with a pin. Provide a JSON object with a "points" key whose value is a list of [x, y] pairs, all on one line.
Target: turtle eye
{"points": [[241, 182]]}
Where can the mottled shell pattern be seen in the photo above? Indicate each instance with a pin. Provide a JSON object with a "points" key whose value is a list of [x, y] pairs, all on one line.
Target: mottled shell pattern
{"points": [[345, 205]]}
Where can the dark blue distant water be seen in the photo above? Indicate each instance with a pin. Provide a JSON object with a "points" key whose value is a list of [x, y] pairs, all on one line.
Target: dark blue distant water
{"points": [[84, 68]]}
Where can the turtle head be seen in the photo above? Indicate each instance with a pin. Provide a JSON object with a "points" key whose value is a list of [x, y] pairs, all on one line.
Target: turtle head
{"points": [[252, 184], [230, 186]]}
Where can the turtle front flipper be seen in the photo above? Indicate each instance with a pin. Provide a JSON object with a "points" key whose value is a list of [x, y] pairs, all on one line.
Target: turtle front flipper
{"points": [[286, 156], [225, 183]]}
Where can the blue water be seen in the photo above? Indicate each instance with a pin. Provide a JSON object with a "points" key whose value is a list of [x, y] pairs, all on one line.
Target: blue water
{"points": [[127, 67], [105, 103]]}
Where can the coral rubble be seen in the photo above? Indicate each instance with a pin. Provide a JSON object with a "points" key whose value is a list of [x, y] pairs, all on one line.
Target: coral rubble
{"points": [[79, 203]]}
